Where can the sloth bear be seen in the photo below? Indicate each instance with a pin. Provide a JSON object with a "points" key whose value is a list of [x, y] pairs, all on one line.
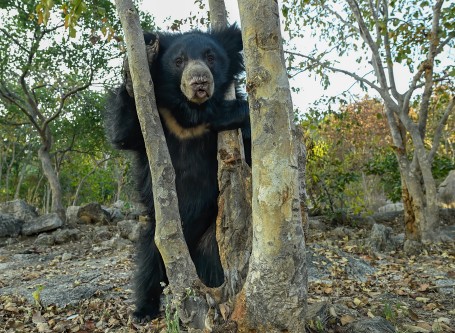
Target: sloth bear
{"points": [[191, 74]]}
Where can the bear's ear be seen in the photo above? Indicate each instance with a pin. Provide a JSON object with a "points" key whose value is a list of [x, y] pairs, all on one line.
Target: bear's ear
{"points": [[165, 39], [230, 39]]}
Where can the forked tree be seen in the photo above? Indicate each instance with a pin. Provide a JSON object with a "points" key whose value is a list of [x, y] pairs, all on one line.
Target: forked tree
{"points": [[273, 298]]}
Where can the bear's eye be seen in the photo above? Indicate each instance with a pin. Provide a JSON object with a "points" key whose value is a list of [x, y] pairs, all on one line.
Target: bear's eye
{"points": [[179, 62], [210, 59]]}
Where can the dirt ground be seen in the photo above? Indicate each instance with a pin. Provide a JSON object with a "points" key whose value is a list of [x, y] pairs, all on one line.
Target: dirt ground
{"points": [[84, 286]]}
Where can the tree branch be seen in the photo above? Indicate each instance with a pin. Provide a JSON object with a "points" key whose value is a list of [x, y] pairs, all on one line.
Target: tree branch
{"points": [[339, 70], [439, 129], [333, 12], [393, 87], [429, 68], [11, 37], [12, 98], [25, 70], [366, 36], [69, 94]]}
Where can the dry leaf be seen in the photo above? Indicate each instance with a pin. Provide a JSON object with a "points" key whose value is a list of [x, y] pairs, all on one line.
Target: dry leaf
{"points": [[346, 319]]}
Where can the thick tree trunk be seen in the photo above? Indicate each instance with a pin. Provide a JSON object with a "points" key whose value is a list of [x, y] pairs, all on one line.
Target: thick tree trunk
{"points": [[418, 187], [274, 296], [52, 178]]}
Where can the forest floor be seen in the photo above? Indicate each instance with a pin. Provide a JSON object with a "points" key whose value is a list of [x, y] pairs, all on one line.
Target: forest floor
{"points": [[84, 286]]}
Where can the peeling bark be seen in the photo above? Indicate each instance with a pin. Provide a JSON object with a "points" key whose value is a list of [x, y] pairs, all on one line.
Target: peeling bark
{"points": [[234, 203]]}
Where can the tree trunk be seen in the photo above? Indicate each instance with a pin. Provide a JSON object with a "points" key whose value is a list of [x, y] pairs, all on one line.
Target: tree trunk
{"points": [[169, 239], [274, 296], [234, 203], [54, 182], [8, 170], [418, 187]]}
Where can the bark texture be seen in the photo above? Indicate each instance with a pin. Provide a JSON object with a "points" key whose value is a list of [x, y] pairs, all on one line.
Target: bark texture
{"points": [[274, 295], [168, 236], [234, 180], [52, 177]]}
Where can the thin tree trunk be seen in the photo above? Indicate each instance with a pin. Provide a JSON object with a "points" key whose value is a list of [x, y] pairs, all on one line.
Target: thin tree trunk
{"points": [[54, 182], [274, 296], [169, 239], [8, 170]]}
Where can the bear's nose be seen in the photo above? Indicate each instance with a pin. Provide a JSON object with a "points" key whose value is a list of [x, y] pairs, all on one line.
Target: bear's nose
{"points": [[199, 80]]}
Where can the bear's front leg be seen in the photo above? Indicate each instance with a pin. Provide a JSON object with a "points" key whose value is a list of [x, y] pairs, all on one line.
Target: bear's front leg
{"points": [[233, 115]]}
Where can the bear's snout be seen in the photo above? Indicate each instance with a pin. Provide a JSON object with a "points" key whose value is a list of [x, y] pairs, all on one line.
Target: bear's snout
{"points": [[197, 82]]}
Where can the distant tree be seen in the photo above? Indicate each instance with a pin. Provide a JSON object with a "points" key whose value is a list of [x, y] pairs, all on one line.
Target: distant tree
{"points": [[42, 69], [381, 36]]}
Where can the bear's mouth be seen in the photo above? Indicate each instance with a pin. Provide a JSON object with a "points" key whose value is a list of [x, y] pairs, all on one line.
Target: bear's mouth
{"points": [[202, 93]]}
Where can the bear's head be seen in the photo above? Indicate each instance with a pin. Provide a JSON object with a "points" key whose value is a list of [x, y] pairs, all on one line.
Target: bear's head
{"points": [[195, 67]]}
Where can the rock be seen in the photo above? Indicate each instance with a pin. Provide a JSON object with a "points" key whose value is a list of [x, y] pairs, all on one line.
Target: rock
{"points": [[136, 232], [391, 207], [341, 232], [41, 224], [130, 229], [119, 204], [411, 247], [320, 264], [117, 243], [93, 213], [317, 223], [388, 217], [45, 239], [102, 234], [9, 225], [317, 316], [66, 256], [447, 216], [66, 235], [71, 215], [381, 239], [370, 325], [116, 214], [19, 209], [446, 191], [363, 221]]}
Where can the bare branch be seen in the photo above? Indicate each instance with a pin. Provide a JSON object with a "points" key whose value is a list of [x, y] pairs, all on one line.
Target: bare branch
{"points": [[413, 86], [429, 69], [25, 70], [374, 12], [439, 129], [393, 87], [339, 70], [366, 36], [444, 43]]}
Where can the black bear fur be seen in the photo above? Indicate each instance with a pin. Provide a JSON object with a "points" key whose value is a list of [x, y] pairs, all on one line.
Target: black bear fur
{"points": [[190, 126]]}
